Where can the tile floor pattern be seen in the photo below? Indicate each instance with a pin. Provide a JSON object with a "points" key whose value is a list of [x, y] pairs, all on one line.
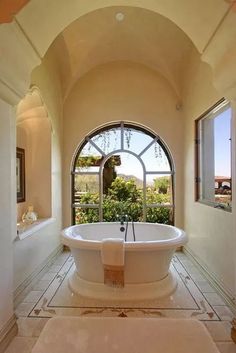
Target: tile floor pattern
{"points": [[186, 301], [30, 327]]}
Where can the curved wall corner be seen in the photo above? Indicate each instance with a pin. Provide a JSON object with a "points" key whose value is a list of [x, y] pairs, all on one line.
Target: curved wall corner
{"points": [[33, 134]]}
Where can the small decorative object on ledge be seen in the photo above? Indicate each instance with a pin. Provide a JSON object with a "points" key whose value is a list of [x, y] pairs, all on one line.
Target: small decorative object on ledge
{"points": [[30, 216], [233, 330]]}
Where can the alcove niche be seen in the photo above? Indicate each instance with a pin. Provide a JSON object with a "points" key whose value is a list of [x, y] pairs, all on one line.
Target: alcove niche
{"points": [[33, 135]]}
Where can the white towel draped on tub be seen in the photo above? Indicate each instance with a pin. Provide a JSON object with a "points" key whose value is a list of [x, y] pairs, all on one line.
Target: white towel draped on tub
{"points": [[113, 259], [113, 252]]}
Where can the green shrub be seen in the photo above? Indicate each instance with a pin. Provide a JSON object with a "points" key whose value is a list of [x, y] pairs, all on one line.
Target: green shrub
{"points": [[124, 190], [158, 215], [124, 198]]}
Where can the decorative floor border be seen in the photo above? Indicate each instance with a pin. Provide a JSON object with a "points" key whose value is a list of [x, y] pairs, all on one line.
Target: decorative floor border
{"points": [[203, 311]]}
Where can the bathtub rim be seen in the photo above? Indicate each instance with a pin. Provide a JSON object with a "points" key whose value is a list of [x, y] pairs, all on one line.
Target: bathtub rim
{"points": [[148, 245]]}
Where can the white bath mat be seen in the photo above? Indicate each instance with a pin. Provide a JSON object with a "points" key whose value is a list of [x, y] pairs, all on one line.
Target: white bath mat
{"points": [[187, 301], [107, 335]]}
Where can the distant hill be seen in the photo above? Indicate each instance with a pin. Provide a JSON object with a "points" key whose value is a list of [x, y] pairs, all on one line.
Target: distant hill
{"points": [[138, 181]]}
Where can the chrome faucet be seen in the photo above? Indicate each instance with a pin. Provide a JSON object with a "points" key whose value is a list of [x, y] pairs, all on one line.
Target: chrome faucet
{"points": [[123, 227], [123, 219]]}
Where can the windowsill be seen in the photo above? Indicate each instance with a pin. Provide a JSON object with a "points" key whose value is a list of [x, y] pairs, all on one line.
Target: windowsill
{"points": [[217, 206], [26, 230]]}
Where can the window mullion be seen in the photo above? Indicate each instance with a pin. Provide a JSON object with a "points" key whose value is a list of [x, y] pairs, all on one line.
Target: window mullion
{"points": [[122, 136], [95, 146], [148, 146]]}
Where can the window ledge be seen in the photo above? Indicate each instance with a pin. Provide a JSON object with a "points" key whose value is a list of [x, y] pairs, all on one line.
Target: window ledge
{"points": [[26, 230], [216, 205]]}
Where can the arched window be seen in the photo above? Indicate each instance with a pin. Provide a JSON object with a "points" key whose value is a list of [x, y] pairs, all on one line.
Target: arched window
{"points": [[123, 169]]}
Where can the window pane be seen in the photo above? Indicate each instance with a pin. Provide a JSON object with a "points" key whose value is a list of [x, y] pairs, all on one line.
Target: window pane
{"points": [[124, 195], [135, 140], [86, 215], [222, 154], [159, 189], [155, 159], [114, 210], [214, 161], [86, 189], [88, 160], [108, 140], [130, 168], [159, 215]]}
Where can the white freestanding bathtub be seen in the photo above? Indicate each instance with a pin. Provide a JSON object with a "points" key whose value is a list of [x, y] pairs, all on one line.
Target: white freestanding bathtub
{"points": [[147, 260]]}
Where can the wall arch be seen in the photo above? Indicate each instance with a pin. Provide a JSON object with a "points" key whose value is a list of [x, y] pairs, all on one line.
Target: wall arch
{"points": [[33, 131], [31, 106], [122, 91]]}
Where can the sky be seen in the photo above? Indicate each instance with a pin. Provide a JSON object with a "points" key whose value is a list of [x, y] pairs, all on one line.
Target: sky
{"points": [[222, 129]]}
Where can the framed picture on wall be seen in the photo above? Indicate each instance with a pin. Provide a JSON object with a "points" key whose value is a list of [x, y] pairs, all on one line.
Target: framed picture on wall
{"points": [[20, 174]]}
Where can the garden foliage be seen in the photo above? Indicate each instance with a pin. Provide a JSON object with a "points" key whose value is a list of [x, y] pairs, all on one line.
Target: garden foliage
{"points": [[124, 198]]}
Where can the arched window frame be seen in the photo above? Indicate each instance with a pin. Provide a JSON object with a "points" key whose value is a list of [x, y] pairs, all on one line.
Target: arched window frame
{"points": [[122, 125]]}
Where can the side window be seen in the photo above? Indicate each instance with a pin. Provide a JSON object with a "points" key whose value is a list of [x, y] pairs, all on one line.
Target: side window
{"points": [[213, 156]]}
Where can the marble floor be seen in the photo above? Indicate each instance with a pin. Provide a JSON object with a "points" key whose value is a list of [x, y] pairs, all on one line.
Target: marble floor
{"points": [[50, 297]]}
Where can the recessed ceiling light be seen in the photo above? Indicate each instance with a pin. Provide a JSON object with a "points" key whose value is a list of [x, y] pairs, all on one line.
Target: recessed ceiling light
{"points": [[120, 16]]}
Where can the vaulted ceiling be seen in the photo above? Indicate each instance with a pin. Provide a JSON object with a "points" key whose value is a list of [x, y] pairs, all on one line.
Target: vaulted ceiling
{"points": [[137, 35], [82, 34]]}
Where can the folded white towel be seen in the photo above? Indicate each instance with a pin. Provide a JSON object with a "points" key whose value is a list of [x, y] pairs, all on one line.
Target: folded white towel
{"points": [[112, 252]]}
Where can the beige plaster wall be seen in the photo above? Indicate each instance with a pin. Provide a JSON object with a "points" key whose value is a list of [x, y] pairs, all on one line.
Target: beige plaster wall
{"points": [[7, 209], [211, 232], [30, 252], [122, 91]]}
